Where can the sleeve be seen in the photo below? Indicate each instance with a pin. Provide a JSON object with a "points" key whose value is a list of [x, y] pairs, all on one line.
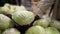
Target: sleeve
{"points": [[43, 6]]}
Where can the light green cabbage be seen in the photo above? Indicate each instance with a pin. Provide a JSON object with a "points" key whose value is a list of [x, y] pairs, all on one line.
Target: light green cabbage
{"points": [[4, 10], [23, 17], [51, 30], [5, 22], [10, 9], [55, 23], [20, 8], [11, 31], [42, 22], [35, 30]]}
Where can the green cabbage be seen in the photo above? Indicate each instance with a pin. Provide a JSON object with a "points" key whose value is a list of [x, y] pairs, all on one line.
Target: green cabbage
{"points": [[36, 30], [4, 10], [5, 22], [23, 17], [11, 31], [42, 22], [55, 23], [10, 9], [20, 8], [51, 30]]}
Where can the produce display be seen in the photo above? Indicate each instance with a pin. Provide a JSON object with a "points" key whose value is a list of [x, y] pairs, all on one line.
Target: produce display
{"points": [[16, 19]]}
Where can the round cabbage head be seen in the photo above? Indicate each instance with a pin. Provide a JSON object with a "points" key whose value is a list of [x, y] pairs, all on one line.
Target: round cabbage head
{"points": [[11, 31], [51, 30], [6, 4], [4, 10], [42, 22], [11, 9], [7, 9], [23, 17], [5, 22], [21, 8], [55, 24], [36, 30]]}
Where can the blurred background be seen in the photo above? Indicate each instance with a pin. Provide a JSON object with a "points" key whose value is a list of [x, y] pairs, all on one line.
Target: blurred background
{"points": [[26, 3]]}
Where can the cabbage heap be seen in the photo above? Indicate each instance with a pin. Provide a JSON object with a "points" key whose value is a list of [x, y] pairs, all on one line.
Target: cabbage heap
{"points": [[11, 31], [5, 22], [23, 17], [36, 30]]}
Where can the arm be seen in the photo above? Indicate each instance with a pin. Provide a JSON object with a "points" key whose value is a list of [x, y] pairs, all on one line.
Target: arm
{"points": [[43, 6]]}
